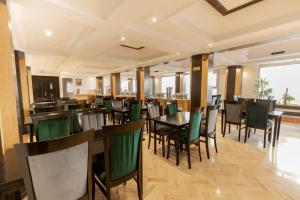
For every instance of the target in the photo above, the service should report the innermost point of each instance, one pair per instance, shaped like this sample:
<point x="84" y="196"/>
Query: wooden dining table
<point x="124" y="111"/>
<point x="274" y="115"/>
<point x="176" y="121"/>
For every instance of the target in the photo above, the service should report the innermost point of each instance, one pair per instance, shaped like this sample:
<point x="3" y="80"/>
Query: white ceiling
<point x="87" y="33"/>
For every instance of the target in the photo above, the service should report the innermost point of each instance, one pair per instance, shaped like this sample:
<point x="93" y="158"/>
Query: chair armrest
<point x="10" y="187"/>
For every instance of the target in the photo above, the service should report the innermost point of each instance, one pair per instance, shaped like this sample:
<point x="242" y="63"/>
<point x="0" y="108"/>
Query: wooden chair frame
<point x="43" y="147"/>
<point x="230" y="123"/>
<point x="50" y="115"/>
<point x="207" y="135"/>
<point x="119" y="130"/>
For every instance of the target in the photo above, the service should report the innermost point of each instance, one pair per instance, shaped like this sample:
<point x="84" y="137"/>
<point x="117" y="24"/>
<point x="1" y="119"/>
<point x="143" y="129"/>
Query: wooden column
<point x="115" y="84"/>
<point x="147" y="82"/>
<point x="179" y="82"/>
<point x="233" y="81"/>
<point x="29" y="83"/>
<point x="24" y="95"/>
<point x="8" y="109"/>
<point x="140" y="84"/>
<point x="199" y="74"/>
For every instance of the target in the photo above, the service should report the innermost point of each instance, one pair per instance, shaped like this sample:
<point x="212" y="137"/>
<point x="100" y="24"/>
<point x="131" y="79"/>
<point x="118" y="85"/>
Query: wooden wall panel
<point x="179" y="82"/>
<point x="140" y="84"/>
<point x="233" y="86"/>
<point x="29" y="83"/>
<point x="8" y="110"/>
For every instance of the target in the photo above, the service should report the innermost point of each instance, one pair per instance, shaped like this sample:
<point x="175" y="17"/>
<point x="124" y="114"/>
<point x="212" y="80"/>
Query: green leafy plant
<point x="286" y="98"/>
<point x="262" y="88"/>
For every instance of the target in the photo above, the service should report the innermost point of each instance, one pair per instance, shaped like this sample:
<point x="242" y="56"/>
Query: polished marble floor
<point x="238" y="171"/>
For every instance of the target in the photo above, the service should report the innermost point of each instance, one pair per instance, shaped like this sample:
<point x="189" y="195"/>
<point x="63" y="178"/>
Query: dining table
<point x="177" y="122"/>
<point x="124" y="111"/>
<point x="274" y="115"/>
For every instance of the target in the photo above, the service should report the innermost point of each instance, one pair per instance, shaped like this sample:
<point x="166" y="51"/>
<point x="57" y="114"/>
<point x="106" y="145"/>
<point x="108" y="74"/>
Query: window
<point x="106" y="85"/>
<point x="168" y="81"/>
<point x="124" y="85"/>
<point x="281" y="78"/>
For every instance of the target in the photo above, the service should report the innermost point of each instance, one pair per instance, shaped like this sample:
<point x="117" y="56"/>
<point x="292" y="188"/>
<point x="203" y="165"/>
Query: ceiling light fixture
<point x="210" y="44"/>
<point x="226" y="51"/>
<point x="123" y="38"/>
<point x="154" y="19"/>
<point x="9" y="25"/>
<point x="48" y="33"/>
<point x="177" y="53"/>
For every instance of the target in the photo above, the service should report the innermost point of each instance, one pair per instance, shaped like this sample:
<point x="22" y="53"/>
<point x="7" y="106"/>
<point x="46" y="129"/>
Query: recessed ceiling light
<point x="177" y="53"/>
<point x="154" y="19"/>
<point x="9" y="25"/>
<point x="48" y="33"/>
<point x="226" y="51"/>
<point x="123" y="38"/>
<point x="210" y="44"/>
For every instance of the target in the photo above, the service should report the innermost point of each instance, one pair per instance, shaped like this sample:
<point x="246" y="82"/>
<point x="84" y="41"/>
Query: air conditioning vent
<point x="277" y="52"/>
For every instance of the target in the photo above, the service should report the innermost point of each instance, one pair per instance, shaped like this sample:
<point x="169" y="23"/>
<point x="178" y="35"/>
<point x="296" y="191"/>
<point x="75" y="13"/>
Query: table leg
<point x="222" y="122"/>
<point x="123" y="118"/>
<point x="31" y="132"/>
<point x="275" y="131"/>
<point x="177" y="147"/>
<point x="278" y="129"/>
<point x="154" y="137"/>
<point x="113" y="117"/>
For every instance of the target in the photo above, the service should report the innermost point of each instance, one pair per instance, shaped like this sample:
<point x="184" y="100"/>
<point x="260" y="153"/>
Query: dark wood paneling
<point x="118" y="83"/>
<point x="42" y="87"/>
<point x="177" y="82"/>
<point x="139" y="78"/>
<point x="231" y="75"/>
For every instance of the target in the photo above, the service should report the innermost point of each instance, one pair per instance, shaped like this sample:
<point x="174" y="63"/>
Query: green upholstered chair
<point x="209" y="131"/>
<point x="107" y="102"/>
<point x="171" y="108"/>
<point x="52" y="125"/>
<point x="74" y="117"/>
<point x="122" y="158"/>
<point x="257" y="118"/>
<point x="134" y="110"/>
<point x="58" y="169"/>
<point x="189" y="135"/>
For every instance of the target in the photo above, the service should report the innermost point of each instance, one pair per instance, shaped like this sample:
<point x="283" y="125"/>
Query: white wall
<point x="88" y="83"/>
<point x="249" y="77"/>
<point x="221" y="81"/>
<point x="157" y="84"/>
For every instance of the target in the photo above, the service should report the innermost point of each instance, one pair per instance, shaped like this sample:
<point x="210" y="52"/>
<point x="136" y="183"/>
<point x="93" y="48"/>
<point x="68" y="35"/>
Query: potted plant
<point x="262" y="88"/>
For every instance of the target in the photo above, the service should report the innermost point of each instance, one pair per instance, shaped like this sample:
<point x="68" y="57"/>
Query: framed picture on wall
<point x="78" y="82"/>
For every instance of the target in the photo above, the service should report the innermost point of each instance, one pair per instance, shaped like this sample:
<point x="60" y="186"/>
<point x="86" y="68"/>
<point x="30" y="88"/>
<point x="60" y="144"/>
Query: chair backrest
<point x="117" y="104"/>
<point x="171" y="107"/>
<point x="244" y="102"/>
<point x="107" y="102"/>
<point x="58" y="169"/>
<point x="122" y="151"/>
<point x="72" y="107"/>
<point x="99" y="100"/>
<point x="135" y="110"/>
<point x="216" y="99"/>
<point x="211" y="119"/>
<point x="195" y="125"/>
<point x="257" y="114"/>
<point x="233" y="112"/>
<point x="272" y="103"/>
<point x="153" y="110"/>
<point x="92" y="118"/>
<point x="52" y="125"/>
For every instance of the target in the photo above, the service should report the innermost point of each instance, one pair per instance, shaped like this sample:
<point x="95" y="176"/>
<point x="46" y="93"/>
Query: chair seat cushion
<point x="270" y="123"/>
<point x="99" y="167"/>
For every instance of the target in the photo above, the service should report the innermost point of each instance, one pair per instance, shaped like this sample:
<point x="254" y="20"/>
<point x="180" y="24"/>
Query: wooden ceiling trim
<point x="216" y="4"/>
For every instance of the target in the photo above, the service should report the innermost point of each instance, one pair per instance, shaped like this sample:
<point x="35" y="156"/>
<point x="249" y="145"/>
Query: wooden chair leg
<point x="265" y="135"/>
<point x="207" y="148"/>
<point x="246" y="130"/>
<point x="224" y="129"/>
<point x="229" y="128"/>
<point x="93" y="187"/>
<point x="215" y="140"/>
<point x="149" y="140"/>
<point x="199" y="151"/>
<point x="140" y="187"/>
<point x="189" y="155"/>
<point x="168" y="150"/>
<point x="108" y="197"/>
<point x="163" y="145"/>
<point x="240" y="132"/>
